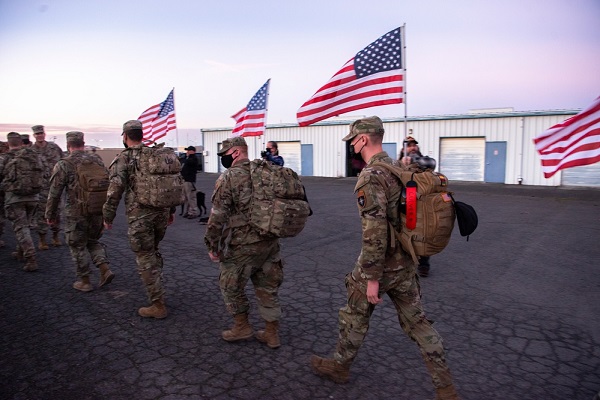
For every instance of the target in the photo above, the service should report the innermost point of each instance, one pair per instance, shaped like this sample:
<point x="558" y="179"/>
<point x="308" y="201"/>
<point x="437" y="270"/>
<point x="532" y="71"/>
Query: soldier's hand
<point x="51" y="222"/>
<point x="107" y="225"/>
<point x="214" y="257"/>
<point x="373" y="292"/>
<point x="171" y="219"/>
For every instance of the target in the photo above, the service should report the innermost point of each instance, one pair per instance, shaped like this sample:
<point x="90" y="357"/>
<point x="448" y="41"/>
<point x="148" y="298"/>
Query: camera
<point x="424" y="162"/>
<point x="263" y="154"/>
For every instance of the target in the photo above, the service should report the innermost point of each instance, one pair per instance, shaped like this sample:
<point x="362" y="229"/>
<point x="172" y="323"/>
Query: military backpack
<point x="157" y="181"/>
<point x="23" y="173"/>
<point x="91" y="186"/>
<point x="279" y="207"/>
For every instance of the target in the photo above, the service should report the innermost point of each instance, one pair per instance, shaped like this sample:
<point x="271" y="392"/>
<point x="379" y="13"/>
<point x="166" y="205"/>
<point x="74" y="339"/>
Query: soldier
<point x="50" y="154"/>
<point x="382" y="267"/>
<point x="3" y="149"/>
<point x="21" y="200"/>
<point x="188" y="171"/>
<point x="243" y="254"/>
<point x="82" y="232"/>
<point x="147" y="225"/>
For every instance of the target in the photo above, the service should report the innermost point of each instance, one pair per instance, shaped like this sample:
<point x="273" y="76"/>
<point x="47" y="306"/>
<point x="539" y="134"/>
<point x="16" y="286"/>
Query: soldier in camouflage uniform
<point x="82" y="233"/>
<point x="50" y="154"/>
<point x="19" y="209"/>
<point x="3" y="149"/>
<point x="147" y="225"/>
<point x="383" y="267"/>
<point x="243" y="254"/>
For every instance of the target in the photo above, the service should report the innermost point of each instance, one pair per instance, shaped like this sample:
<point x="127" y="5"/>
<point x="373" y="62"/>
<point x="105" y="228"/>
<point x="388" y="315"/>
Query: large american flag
<point x="373" y="77"/>
<point x="573" y="142"/>
<point x="158" y="120"/>
<point x="250" y="120"/>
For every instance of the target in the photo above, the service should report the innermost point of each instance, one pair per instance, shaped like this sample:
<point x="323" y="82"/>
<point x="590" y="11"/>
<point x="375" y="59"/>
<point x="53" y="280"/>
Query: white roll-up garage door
<point x="587" y="175"/>
<point x="462" y="159"/>
<point x="290" y="151"/>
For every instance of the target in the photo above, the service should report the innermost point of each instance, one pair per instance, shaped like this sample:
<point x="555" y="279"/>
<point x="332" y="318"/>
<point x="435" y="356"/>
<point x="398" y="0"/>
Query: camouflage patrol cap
<point x="131" y="125"/>
<point x="12" y="135"/>
<point x="364" y="125"/>
<point x="24" y="136"/>
<point x="38" y="128"/>
<point x="74" y="135"/>
<point x="231" y="142"/>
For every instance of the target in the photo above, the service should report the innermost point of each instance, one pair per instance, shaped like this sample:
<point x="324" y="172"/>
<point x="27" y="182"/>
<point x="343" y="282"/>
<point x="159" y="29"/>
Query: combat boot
<point x="331" y="369"/>
<point x="106" y="275"/>
<point x="446" y="393"/>
<point x="43" y="245"/>
<point x="30" y="265"/>
<point x="55" y="240"/>
<point x="240" y="330"/>
<point x="83" y="284"/>
<point x="18" y="254"/>
<point x="156" y="310"/>
<point x="270" y="335"/>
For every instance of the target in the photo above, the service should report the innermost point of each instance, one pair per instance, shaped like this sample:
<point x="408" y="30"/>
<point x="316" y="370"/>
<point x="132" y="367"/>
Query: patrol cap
<point x="24" y="136"/>
<point x="190" y="148"/>
<point x="74" y="135"/>
<point x="12" y="135"/>
<point x="410" y="139"/>
<point x="364" y="125"/>
<point x="37" y="129"/>
<point x="131" y="125"/>
<point x="231" y="142"/>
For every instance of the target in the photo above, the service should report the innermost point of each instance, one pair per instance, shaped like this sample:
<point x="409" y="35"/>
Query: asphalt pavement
<point x="518" y="306"/>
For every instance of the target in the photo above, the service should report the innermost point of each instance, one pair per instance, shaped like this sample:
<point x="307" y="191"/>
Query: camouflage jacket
<point x="232" y="196"/>
<point x="122" y="182"/>
<point x="64" y="177"/>
<point x="377" y="192"/>
<point x="50" y="154"/>
<point x="9" y="197"/>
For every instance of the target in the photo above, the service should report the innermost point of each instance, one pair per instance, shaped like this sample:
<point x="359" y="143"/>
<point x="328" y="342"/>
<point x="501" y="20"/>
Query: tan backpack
<point x="23" y="173"/>
<point x="430" y="233"/>
<point x="92" y="186"/>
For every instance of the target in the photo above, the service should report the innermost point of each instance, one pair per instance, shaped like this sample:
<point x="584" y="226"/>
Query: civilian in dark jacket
<point x="188" y="171"/>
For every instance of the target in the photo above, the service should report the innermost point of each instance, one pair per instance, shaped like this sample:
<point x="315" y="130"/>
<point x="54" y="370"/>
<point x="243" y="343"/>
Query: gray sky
<point x="91" y="65"/>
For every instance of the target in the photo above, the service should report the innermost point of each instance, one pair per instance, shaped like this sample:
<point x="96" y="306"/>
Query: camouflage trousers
<point x="82" y="235"/>
<point x="403" y="289"/>
<point x="190" y="205"/>
<point x="145" y="234"/>
<point x="40" y="219"/>
<point x="261" y="263"/>
<point x="21" y="216"/>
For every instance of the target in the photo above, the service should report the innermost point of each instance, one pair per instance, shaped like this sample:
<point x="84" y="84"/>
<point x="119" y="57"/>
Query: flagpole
<point x="176" y="128"/>
<point x="266" y="112"/>
<point x="403" y="37"/>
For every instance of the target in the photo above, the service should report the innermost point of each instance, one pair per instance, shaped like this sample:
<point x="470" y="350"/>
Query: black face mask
<point x="354" y="154"/>
<point x="125" y="145"/>
<point x="227" y="160"/>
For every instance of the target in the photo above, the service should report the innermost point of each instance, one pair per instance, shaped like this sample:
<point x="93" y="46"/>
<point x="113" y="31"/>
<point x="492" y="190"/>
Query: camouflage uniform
<point x="245" y="254"/>
<point x="3" y="150"/>
<point x="50" y="154"/>
<point x="20" y="210"/>
<point x="82" y="233"/>
<point x="147" y="225"/>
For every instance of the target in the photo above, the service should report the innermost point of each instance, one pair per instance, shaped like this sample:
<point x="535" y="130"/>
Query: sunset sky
<point x="91" y="65"/>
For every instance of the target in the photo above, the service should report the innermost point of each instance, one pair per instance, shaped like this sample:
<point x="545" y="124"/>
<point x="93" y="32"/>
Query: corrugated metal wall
<point x="329" y="152"/>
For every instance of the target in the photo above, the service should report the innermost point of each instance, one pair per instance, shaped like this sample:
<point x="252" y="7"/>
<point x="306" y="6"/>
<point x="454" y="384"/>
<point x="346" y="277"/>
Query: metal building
<point x="480" y="146"/>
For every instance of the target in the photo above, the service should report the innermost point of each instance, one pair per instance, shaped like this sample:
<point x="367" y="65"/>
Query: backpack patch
<point x="92" y="185"/>
<point x="426" y="221"/>
<point x="158" y="180"/>
<point x="24" y="173"/>
<point x="279" y="206"/>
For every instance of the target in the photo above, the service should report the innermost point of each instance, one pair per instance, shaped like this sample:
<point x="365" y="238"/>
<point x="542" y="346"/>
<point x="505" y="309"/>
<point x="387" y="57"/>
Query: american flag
<point x="573" y="142"/>
<point x="158" y="120"/>
<point x="250" y="120"/>
<point x="373" y="77"/>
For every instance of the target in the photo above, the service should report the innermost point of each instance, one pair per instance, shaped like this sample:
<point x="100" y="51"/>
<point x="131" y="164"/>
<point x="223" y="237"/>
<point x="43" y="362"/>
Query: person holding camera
<point x="414" y="156"/>
<point x="271" y="154"/>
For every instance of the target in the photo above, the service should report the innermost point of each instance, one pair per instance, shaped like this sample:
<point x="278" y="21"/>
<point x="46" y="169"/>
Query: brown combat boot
<point x="329" y="368"/>
<point x="156" y="310"/>
<point x="43" y="245"/>
<point x="83" y="284"/>
<point x="106" y="275"/>
<point x="240" y="330"/>
<point x="270" y="335"/>
<point x="55" y="240"/>
<point x="30" y="265"/>
<point x="446" y="393"/>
